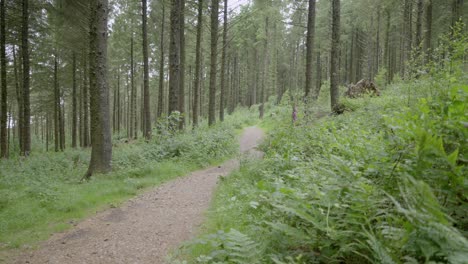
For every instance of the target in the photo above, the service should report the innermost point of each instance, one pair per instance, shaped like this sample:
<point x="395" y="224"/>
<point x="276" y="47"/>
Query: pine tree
<point x="3" y="84"/>
<point x="196" y="86"/>
<point x="146" y="94"/>
<point x="101" y="152"/>
<point x="213" y="62"/>
<point x="26" y="122"/>
<point x="310" y="50"/>
<point x="335" y="45"/>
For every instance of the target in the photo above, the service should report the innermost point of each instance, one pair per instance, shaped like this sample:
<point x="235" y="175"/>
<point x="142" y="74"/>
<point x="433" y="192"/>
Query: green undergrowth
<point x="43" y="193"/>
<point x="385" y="182"/>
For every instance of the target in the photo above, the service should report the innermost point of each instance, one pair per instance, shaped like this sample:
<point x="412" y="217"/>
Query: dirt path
<point x="145" y="228"/>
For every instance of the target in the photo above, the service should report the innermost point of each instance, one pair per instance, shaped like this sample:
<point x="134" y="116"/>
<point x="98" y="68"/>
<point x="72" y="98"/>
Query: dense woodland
<point x="150" y="78"/>
<point x="200" y="59"/>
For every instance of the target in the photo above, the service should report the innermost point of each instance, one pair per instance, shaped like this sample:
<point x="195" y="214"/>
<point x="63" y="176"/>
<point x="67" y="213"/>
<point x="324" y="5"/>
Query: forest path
<point x="145" y="228"/>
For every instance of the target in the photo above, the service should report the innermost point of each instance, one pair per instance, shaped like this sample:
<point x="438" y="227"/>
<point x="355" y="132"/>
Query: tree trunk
<point x="428" y="33"/>
<point x="62" y="123"/>
<point x="264" y="70"/>
<point x="80" y="112"/>
<point x="146" y="94"/>
<point x="129" y="108"/>
<point x="74" y="103"/>
<point x="56" y="107"/>
<point x="377" y="46"/>
<point x="387" y="48"/>
<point x="214" y="59"/>
<point x="101" y="152"/>
<point x="319" y="74"/>
<point x="335" y="45"/>
<point x="86" y="98"/>
<point x="196" y="86"/>
<point x="407" y="35"/>
<point x="47" y="132"/>
<point x="420" y="9"/>
<point x="161" y="66"/>
<point x="222" y="100"/>
<point x="182" y="65"/>
<point x="26" y="76"/>
<point x="114" y="110"/>
<point x="457" y="11"/>
<point x="174" y="61"/>
<point x="310" y="50"/>
<point x="19" y="97"/>
<point x="3" y="82"/>
<point x="133" y="99"/>
<point x="119" y="109"/>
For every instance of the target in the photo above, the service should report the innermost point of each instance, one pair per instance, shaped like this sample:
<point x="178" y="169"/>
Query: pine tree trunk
<point x="3" y="83"/>
<point x="114" y="111"/>
<point x="213" y="63"/>
<point x="129" y="108"/>
<point x="174" y="61"/>
<point x="428" y="33"/>
<point x="56" y="107"/>
<point x="146" y="96"/>
<point x="86" y="98"/>
<point x="101" y="152"/>
<point x="420" y="9"/>
<point x="407" y="36"/>
<point x="196" y="95"/>
<point x="119" y="109"/>
<point x="133" y="99"/>
<point x="387" y="48"/>
<point x="182" y="65"/>
<point x="80" y="110"/>
<point x="142" y="110"/>
<point x="161" y="66"/>
<point x="47" y="132"/>
<point x="377" y="46"/>
<point x="222" y="100"/>
<point x="310" y="50"/>
<point x="62" y="125"/>
<point x="74" y="103"/>
<point x="264" y="70"/>
<point x="335" y="45"/>
<point x="26" y="135"/>
<point x="319" y="74"/>
<point x="19" y="96"/>
<point x="457" y="11"/>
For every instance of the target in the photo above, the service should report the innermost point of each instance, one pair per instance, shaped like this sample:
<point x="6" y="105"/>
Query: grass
<point x="43" y="194"/>
<point x="378" y="184"/>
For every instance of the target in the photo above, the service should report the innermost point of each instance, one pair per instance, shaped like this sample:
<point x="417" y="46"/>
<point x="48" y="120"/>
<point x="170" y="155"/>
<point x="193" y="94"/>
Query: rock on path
<point x="145" y="228"/>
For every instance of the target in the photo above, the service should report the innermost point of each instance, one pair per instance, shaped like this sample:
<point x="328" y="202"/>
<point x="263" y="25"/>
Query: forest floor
<point x="145" y="228"/>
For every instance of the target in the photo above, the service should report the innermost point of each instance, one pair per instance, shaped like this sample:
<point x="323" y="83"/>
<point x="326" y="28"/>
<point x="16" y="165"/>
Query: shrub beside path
<point x="145" y="228"/>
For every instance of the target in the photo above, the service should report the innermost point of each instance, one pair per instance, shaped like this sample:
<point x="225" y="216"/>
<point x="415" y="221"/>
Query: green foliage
<point x="42" y="193"/>
<point x="385" y="183"/>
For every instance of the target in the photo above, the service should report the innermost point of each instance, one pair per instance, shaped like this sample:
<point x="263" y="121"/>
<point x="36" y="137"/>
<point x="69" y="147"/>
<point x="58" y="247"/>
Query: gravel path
<point x="145" y="228"/>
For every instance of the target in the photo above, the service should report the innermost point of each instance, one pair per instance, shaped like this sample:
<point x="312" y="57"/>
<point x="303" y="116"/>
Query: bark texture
<point x="26" y="135"/>
<point x="161" y="65"/>
<point x="3" y="83"/>
<point x="223" y="65"/>
<point x="213" y="61"/>
<point x="174" y="57"/>
<point x="335" y="45"/>
<point x="428" y="25"/>
<point x="146" y="94"/>
<point x="182" y="64"/>
<point x="74" y="103"/>
<point x="310" y="49"/>
<point x="101" y="152"/>
<point x="196" y="86"/>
